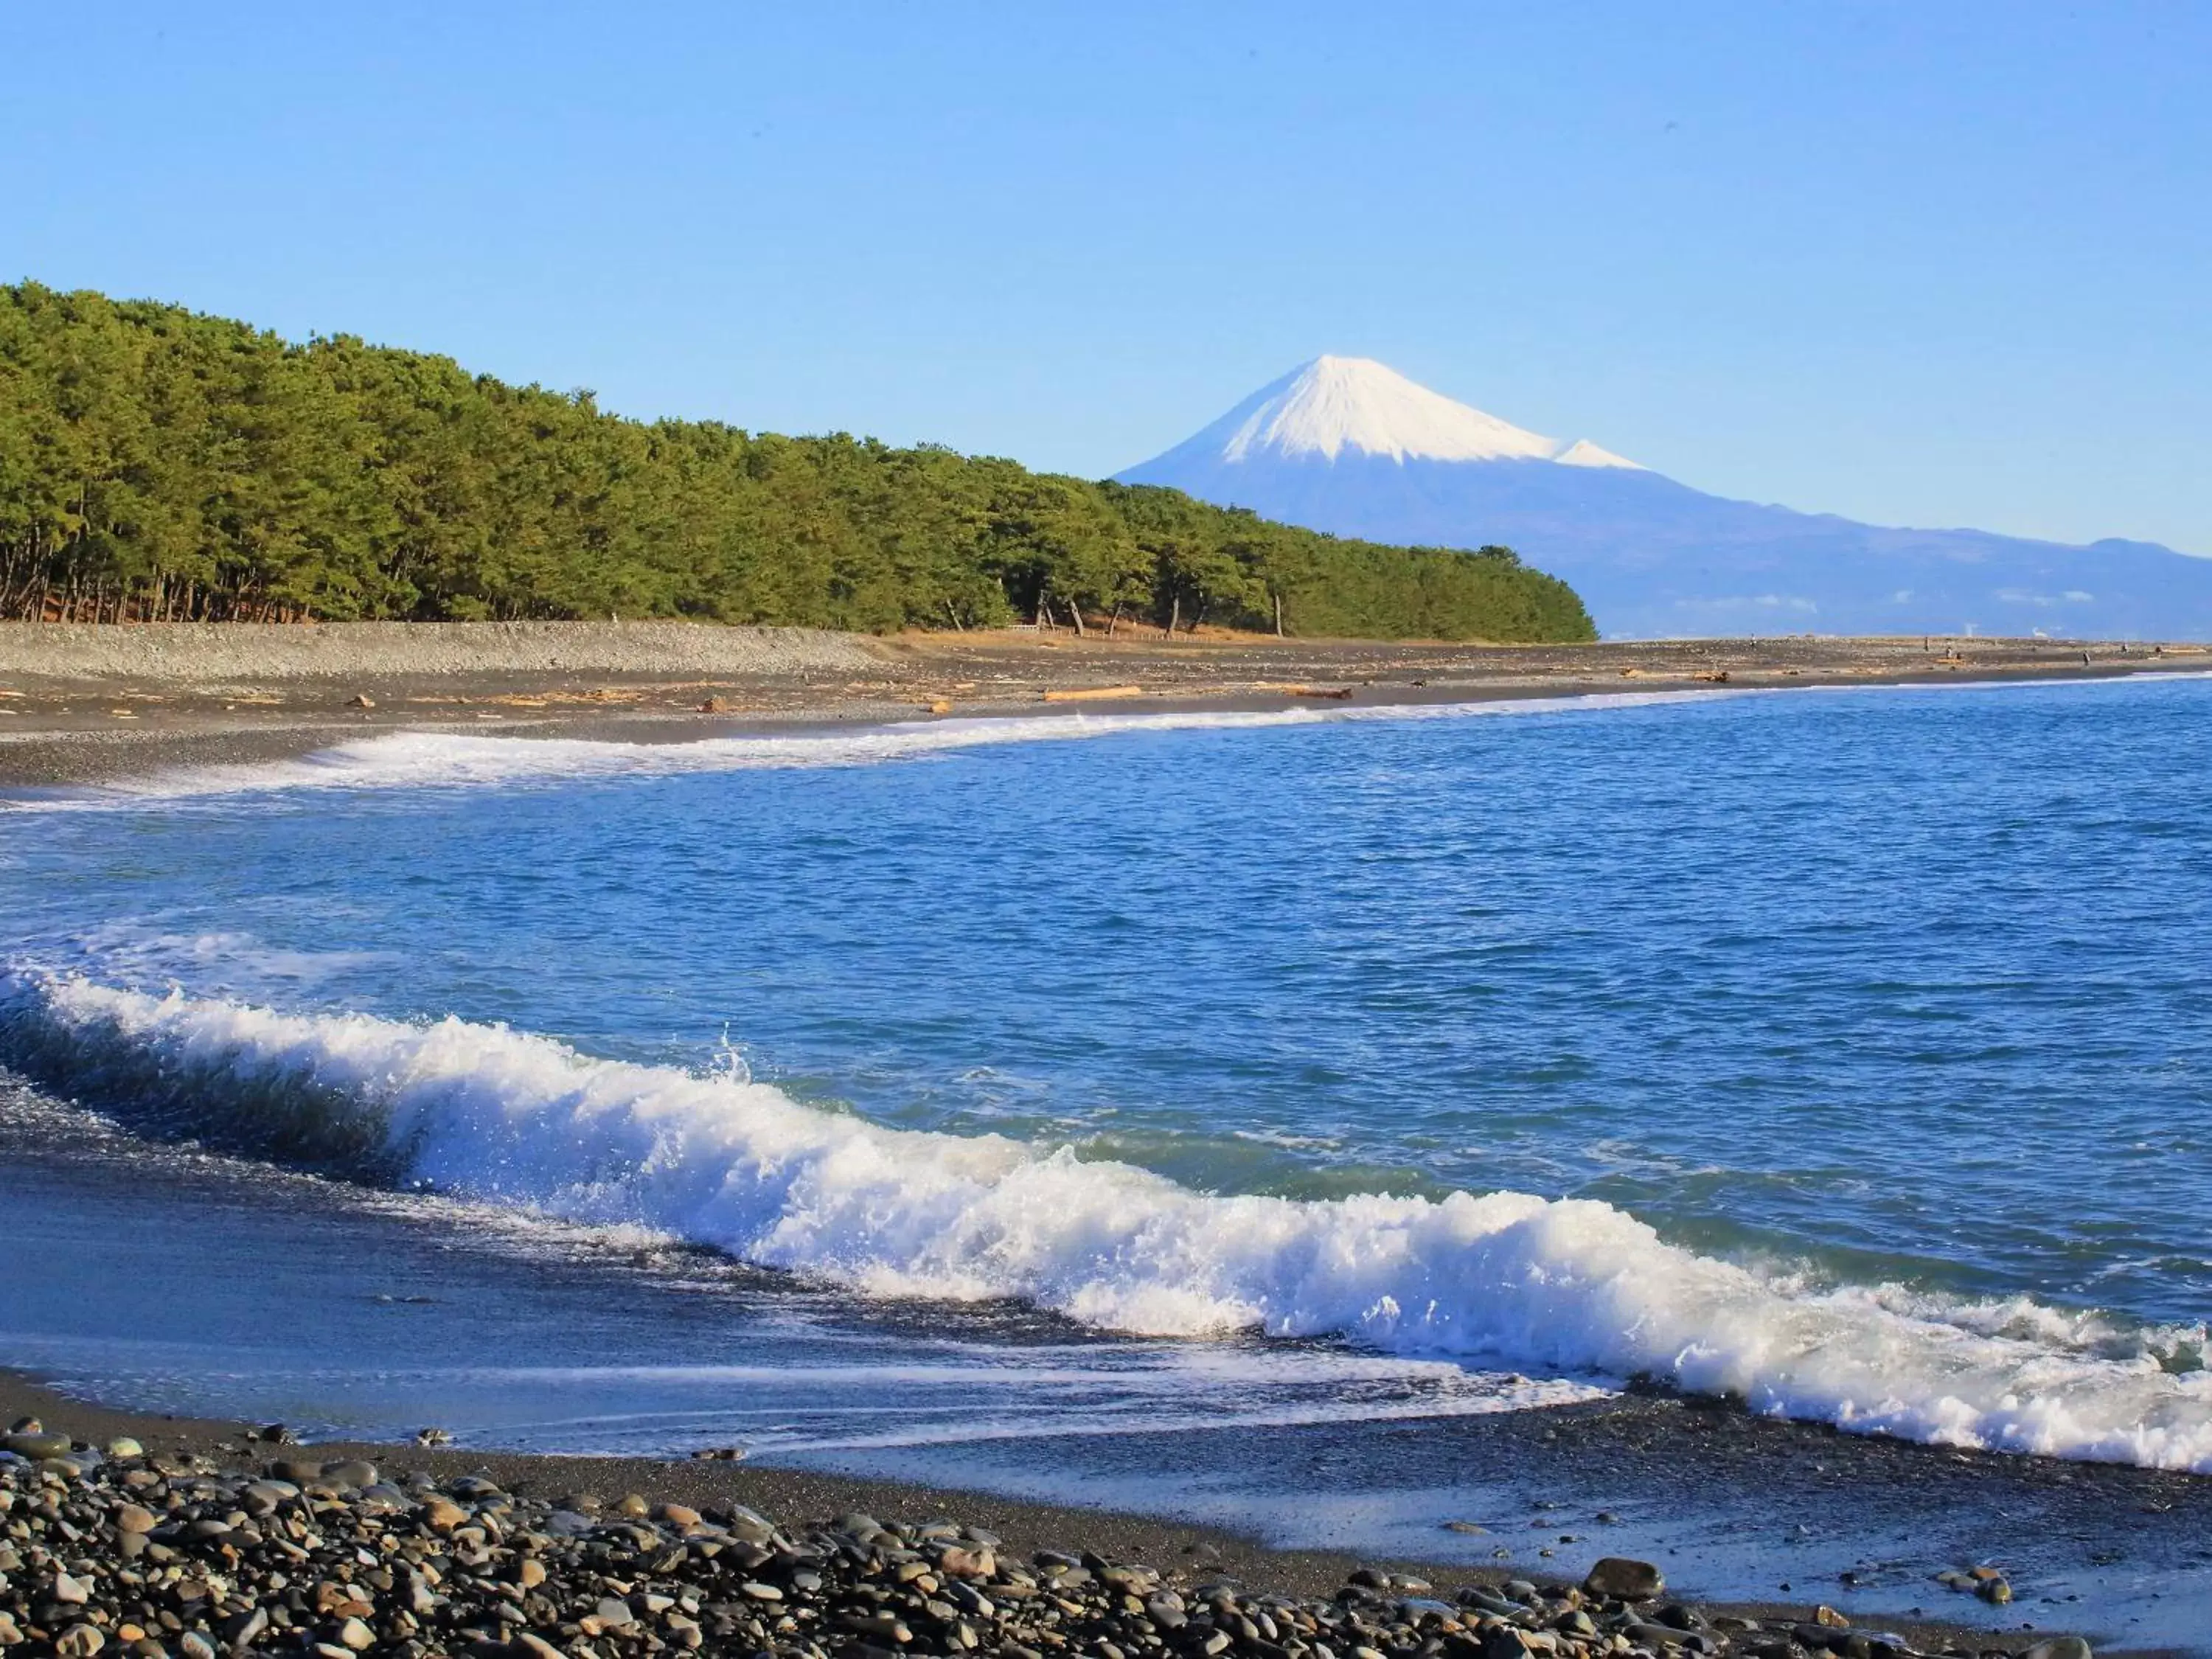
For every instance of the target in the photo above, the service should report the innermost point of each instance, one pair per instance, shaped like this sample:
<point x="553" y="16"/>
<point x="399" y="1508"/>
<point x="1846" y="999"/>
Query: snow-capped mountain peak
<point x="1349" y="447"/>
<point x="1332" y="404"/>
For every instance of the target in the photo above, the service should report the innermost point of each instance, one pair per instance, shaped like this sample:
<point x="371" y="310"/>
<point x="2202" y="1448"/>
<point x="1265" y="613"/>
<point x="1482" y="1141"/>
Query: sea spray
<point x="1512" y="1279"/>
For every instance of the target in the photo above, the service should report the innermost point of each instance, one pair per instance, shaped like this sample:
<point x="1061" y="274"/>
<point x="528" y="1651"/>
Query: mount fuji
<point x="1350" y="446"/>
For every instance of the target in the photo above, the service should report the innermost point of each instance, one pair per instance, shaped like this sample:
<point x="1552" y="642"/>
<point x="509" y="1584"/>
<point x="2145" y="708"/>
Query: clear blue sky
<point x="1946" y="264"/>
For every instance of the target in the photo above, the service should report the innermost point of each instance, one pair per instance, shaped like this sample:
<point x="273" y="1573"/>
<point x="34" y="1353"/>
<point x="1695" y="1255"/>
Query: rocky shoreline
<point x="128" y="1548"/>
<point x="194" y="654"/>
<point x="64" y="1509"/>
<point x="81" y="704"/>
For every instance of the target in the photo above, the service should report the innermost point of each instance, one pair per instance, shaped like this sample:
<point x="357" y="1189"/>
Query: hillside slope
<point x="159" y="464"/>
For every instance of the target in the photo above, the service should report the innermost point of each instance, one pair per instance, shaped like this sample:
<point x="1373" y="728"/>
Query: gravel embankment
<point x="155" y="1554"/>
<point x="187" y="654"/>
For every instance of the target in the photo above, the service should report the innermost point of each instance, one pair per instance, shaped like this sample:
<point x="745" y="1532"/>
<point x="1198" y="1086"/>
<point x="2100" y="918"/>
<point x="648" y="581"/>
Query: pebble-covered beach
<point x="85" y="703"/>
<point x="118" y="1548"/>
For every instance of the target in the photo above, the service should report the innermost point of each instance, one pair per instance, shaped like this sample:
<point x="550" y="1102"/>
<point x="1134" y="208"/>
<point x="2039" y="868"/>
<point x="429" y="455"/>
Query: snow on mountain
<point x="1332" y="404"/>
<point x="1348" y="446"/>
<point x="1583" y="453"/>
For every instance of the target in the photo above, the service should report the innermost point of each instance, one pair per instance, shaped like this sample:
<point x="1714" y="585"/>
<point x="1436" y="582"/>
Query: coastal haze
<point x="1349" y="445"/>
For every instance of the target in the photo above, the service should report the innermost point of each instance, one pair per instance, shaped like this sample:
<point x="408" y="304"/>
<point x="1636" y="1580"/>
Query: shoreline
<point x="77" y="711"/>
<point x="1718" y="1487"/>
<point x="1740" y="1510"/>
<point x="1186" y="1554"/>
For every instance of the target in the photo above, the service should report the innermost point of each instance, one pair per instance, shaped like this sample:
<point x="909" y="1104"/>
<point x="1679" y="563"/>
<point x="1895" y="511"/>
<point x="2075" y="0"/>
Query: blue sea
<point x="1846" y="1054"/>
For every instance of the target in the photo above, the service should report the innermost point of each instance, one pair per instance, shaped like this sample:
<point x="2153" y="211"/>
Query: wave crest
<point x="1559" y="1285"/>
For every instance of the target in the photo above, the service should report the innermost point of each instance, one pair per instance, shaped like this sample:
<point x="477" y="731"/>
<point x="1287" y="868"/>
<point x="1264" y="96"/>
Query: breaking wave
<point x="410" y="759"/>
<point x="1567" y="1286"/>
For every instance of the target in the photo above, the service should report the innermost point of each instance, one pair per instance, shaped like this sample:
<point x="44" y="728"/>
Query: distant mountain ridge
<point x="1349" y="445"/>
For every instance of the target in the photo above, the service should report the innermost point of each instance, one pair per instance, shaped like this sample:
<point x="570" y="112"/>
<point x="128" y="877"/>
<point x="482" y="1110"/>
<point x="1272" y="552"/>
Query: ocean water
<point x="1847" y="1054"/>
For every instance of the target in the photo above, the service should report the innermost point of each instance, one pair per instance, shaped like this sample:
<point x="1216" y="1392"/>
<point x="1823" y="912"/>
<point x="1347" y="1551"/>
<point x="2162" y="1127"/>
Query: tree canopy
<point x="158" y="463"/>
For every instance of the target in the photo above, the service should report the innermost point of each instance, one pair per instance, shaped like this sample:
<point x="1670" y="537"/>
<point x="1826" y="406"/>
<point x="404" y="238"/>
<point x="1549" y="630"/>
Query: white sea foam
<point x="432" y="759"/>
<point x="885" y="1391"/>
<point x="1557" y="1288"/>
